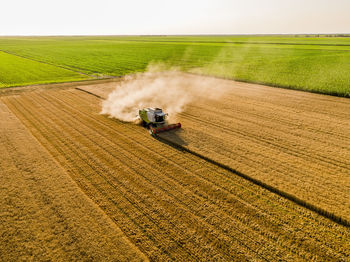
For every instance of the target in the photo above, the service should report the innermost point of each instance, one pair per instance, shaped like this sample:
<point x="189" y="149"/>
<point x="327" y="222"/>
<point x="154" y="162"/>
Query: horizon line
<point x="164" y="35"/>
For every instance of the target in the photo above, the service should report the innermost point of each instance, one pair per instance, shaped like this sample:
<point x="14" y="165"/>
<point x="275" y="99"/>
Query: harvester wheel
<point x="143" y="123"/>
<point x="151" y="132"/>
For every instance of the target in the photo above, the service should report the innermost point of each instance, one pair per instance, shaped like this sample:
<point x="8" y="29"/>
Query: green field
<point x="16" y="70"/>
<point x="318" y="64"/>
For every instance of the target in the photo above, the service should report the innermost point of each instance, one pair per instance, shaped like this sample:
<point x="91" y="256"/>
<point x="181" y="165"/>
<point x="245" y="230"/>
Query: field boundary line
<point x="337" y="219"/>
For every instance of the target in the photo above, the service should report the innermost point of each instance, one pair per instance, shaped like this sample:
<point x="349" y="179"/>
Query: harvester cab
<point x="155" y="120"/>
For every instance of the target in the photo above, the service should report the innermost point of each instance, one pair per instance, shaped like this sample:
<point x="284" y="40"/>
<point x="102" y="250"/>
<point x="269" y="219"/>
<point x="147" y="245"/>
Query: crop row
<point x="20" y="71"/>
<point x="44" y="214"/>
<point x="170" y="203"/>
<point x="299" y="153"/>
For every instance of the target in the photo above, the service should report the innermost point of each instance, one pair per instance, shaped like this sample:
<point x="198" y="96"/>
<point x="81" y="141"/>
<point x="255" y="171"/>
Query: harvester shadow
<point x="174" y="136"/>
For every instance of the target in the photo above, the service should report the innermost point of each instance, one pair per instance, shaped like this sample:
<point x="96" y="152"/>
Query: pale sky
<point x="137" y="17"/>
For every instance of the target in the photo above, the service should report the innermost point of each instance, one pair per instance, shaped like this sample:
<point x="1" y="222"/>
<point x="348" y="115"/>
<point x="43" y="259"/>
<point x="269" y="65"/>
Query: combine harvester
<point x="155" y="120"/>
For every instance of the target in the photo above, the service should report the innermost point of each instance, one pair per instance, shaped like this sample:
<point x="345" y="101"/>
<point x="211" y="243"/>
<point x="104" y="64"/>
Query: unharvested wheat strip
<point x="292" y="106"/>
<point x="293" y="158"/>
<point x="345" y="170"/>
<point x="269" y="125"/>
<point x="257" y="104"/>
<point x="291" y="136"/>
<point x="240" y="93"/>
<point x="336" y="134"/>
<point x="307" y="101"/>
<point x="303" y="142"/>
<point x="284" y="138"/>
<point x="59" y="213"/>
<point x="298" y="155"/>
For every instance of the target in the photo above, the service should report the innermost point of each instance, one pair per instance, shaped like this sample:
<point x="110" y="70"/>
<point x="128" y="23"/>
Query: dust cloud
<point x="170" y="90"/>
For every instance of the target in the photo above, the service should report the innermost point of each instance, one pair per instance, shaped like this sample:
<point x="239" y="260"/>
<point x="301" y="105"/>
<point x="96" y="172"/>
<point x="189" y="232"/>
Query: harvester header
<point x="155" y="120"/>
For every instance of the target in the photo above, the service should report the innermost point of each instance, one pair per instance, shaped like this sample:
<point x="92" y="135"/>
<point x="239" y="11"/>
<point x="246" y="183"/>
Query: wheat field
<point x="97" y="187"/>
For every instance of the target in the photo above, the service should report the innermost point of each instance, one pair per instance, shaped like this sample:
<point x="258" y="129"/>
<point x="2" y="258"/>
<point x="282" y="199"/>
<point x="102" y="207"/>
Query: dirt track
<point x="171" y="204"/>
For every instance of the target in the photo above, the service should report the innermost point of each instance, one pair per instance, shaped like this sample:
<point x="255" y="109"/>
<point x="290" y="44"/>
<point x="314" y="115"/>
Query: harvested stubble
<point x="43" y="213"/>
<point x="171" y="204"/>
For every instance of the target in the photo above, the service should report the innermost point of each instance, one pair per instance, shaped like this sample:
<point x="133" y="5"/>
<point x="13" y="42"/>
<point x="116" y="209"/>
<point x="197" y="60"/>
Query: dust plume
<point x="170" y="90"/>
